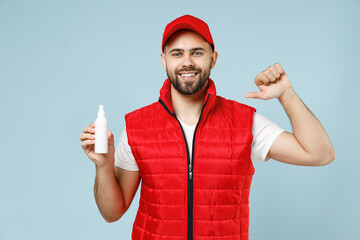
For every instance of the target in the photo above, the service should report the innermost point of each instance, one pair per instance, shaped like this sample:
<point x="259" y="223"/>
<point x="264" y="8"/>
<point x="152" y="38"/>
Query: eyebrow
<point x="182" y="50"/>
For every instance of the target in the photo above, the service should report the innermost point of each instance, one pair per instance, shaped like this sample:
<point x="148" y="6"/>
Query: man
<point x="193" y="149"/>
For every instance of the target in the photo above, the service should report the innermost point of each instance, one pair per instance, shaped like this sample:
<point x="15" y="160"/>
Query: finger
<point x="110" y="138"/>
<point x="269" y="75"/>
<point x="86" y="136"/>
<point x="87" y="143"/>
<point x="92" y="125"/>
<point x="89" y="129"/>
<point x="274" y="71"/>
<point x="265" y="78"/>
<point x="253" y="95"/>
<point x="261" y="79"/>
<point x="279" y="67"/>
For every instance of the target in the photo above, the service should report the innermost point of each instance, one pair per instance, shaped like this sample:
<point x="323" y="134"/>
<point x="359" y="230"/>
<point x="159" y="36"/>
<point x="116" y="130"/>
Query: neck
<point x="188" y="107"/>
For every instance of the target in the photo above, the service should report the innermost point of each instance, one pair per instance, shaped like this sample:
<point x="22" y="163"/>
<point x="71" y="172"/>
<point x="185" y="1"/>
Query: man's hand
<point x="272" y="83"/>
<point x="88" y="144"/>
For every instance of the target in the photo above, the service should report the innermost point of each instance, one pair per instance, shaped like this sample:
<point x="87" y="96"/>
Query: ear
<point x="162" y="56"/>
<point x="214" y="56"/>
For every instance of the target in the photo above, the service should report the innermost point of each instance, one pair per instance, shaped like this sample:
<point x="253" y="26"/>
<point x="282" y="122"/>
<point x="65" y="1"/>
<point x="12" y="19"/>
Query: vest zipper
<point x="190" y="168"/>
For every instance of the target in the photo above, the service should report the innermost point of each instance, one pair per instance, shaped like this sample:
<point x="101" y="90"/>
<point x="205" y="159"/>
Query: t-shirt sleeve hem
<point x="126" y="167"/>
<point x="269" y="143"/>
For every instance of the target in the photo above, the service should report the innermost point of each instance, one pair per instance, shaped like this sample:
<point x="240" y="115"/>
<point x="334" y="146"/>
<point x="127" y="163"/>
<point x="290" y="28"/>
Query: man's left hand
<point x="272" y="83"/>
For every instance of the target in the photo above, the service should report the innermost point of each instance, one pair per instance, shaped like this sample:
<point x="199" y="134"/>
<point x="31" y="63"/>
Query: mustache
<point x="187" y="69"/>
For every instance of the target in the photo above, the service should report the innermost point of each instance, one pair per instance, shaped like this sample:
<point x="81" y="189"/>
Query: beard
<point x="189" y="87"/>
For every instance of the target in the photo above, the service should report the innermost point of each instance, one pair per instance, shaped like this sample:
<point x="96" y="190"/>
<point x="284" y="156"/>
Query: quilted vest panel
<point x="208" y="200"/>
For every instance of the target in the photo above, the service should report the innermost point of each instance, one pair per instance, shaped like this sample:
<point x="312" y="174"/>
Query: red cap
<point x="191" y="23"/>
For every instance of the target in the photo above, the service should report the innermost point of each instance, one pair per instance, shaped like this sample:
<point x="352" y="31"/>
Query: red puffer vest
<point x="205" y="200"/>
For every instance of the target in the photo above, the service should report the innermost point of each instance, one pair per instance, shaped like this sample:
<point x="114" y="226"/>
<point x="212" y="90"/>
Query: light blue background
<point x="60" y="59"/>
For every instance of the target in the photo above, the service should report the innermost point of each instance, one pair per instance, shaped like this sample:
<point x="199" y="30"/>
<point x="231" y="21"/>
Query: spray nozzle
<point x="101" y="112"/>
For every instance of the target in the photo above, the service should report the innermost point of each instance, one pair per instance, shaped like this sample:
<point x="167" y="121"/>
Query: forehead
<point x="186" y="39"/>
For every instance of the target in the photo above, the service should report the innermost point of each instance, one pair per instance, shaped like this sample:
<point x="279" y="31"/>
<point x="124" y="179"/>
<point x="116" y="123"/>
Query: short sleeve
<point x="264" y="134"/>
<point x="123" y="155"/>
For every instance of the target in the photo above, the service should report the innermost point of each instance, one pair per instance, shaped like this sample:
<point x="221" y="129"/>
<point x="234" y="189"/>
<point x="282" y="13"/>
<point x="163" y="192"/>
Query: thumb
<point x="253" y="95"/>
<point x="110" y="138"/>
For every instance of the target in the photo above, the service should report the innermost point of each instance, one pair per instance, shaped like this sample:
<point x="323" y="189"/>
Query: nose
<point x="188" y="61"/>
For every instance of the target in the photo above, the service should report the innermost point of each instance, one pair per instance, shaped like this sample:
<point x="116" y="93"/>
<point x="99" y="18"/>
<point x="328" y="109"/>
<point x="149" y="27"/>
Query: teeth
<point x="188" y="75"/>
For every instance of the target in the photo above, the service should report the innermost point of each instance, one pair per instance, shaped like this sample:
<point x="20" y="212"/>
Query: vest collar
<point x="209" y="101"/>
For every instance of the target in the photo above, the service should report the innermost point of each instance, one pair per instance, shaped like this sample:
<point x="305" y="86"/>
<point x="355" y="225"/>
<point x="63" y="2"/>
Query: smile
<point x="188" y="76"/>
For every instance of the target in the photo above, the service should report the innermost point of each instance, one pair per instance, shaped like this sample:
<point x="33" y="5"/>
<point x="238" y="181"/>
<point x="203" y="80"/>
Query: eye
<point x="197" y="53"/>
<point x="176" y="54"/>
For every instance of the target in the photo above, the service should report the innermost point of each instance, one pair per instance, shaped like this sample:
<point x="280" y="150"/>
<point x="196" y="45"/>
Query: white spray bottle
<point x="101" y="129"/>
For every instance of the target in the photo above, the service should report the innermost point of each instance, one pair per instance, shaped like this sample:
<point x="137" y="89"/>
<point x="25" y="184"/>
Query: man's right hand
<point x="88" y="144"/>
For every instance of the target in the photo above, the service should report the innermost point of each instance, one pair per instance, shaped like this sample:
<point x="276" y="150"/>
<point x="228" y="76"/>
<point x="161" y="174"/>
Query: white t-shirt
<point x="264" y="134"/>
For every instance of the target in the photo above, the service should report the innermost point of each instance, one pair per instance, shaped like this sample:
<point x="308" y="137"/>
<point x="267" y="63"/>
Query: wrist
<point x="105" y="167"/>
<point x="288" y="93"/>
